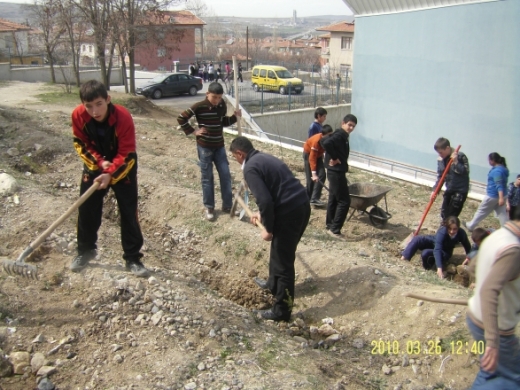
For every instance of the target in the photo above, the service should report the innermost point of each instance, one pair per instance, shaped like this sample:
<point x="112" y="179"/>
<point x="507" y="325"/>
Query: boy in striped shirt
<point x="211" y="119"/>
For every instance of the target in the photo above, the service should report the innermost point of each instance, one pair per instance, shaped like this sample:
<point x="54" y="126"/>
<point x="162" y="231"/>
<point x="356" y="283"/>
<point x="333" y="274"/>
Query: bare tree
<point x="45" y="13"/>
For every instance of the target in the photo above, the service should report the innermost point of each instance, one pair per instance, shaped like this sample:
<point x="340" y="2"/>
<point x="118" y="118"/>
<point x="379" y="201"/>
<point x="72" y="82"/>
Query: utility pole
<point x="247" y="48"/>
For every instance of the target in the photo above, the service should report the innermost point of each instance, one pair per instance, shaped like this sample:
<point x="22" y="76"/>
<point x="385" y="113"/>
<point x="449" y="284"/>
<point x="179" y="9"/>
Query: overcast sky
<point x="268" y="8"/>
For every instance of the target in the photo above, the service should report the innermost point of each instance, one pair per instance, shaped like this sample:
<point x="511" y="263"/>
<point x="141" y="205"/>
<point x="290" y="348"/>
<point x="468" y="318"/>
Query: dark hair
<point x="326" y="129"/>
<point x="497" y="159"/>
<point x="216" y="88"/>
<point x="518" y="176"/>
<point x="92" y="90"/>
<point x="319" y="111"/>
<point x="451" y="220"/>
<point x="241" y="143"/>
<point x="479" y="234"/>
<point x="441" y="143"/>
<point x="350" y="118"/>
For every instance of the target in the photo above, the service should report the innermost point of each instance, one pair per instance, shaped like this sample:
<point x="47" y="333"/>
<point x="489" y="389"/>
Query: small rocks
<point x="46" y="384"/>
<point x="6" y="368"/>
<point x="38" y="339"/>
<point x="405" y="361"/>
<point x="386" y="370"/>
<point x="333" y="338"/>
<point x="37" y="361"/>
<point x="420" y="303"/>
<point x="358" y="343"/>
<point x="8" y="184"/>
<point x="118" y="359"/>
<point x="46" y="371"/>
<point x="201" y="366"/>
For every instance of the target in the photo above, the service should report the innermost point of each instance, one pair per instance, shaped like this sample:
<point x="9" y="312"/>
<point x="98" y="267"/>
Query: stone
<point x="420" y="303"/>
<point x="201" y="366"/>
<point x="333" y="338"/>
<point x="386" y="370"/>
<point x="39" y="339"/>
<point x="20" y="360"/>
<point x="358" y="343"/>
<point x="8" y="184"/>
<point x="37" y="361"/>
<point x="46" y="371"/>
<point x="118" y="359"/>
<point x="6" y="368"/>
<point x="156" y="318"/>
<point x="415" y="369"/>
<point x="13" y="152"/>
<point x="405" y="361"/>
<point x="326" y="330"/>
<point x="190" y="386"/>
<point x="153" y="280"/>
<point x="46" y="384"/>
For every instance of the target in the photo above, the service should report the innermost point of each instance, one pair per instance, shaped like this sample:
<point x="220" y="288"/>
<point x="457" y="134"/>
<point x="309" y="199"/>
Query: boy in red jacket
<point x="313" y="165"/>
<point x="104" y="138"/>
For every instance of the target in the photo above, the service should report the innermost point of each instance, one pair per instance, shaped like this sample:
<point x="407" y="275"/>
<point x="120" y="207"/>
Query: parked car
<point x="275" y="78"/>
<point x="170" y="84"/>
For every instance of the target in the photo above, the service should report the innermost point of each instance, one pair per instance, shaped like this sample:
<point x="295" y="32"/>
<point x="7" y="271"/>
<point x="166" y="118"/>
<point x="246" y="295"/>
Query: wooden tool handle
<point x="437" y="190"/>
<point x="60" y="220"/>
<point x="463" y="302"/>
<point x="237" y="98"/>
<point x="249" y="212"/>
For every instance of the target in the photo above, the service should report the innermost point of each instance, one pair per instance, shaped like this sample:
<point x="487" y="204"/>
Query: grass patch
<point x="201" y="226"/>
<point x="60" y="96"/>
<point x="318" y="234"/>
<point x="461" y="335"/>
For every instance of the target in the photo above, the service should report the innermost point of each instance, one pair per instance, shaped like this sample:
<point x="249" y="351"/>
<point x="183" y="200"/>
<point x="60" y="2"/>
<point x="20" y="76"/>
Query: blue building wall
<point x="451" y="72"/>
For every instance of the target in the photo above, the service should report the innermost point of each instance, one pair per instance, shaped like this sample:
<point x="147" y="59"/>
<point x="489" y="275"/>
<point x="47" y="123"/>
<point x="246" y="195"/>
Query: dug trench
<point x="101" y="328"/>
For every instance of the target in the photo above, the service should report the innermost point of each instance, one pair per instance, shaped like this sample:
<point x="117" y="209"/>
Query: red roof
<point x="6" y="25"/>
<point x="338" y="27"/>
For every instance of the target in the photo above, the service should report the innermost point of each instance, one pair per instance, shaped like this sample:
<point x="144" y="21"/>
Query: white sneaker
<point x="210" y="214"/>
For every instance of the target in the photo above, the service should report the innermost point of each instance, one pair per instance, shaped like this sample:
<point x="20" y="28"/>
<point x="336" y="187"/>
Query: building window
<point x="161" y="52"/>
<point x="344" y="70"/>
<point x="346" y="43"/>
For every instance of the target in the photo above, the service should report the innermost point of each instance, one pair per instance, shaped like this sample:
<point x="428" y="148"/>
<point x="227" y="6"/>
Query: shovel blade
<point x="20" y="268"/>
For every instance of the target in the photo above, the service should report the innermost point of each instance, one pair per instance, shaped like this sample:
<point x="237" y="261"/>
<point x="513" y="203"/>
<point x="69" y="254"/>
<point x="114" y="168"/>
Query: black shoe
<point x="261" y="283"/>
<point x="82" y="260"/>
<point x="137" y="268"/>
<point x="270" y="315"/>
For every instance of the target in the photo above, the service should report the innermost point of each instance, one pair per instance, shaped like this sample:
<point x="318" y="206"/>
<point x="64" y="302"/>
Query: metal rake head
<point x="20" y="268"/>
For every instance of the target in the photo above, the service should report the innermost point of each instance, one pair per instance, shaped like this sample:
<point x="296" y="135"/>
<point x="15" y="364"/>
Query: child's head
<point x="478" y="235"/>
<point x="349" y="123"/>
<point x="452" y="225"/>
<point x="517" y="181"/>
<point x="215" y="92"/>
<point x="326" y="130"/>
<point x="95" y="99"/>
<point x="442" y="147"/>
<point x="496" y="159"/>
<point x="320" y="114"/>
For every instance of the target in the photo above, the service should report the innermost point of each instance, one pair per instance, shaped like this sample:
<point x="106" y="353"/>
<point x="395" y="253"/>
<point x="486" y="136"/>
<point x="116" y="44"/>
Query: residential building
<point x="337" y="55"/>
<point x="167" y="37"/>
<point x="426" y="70"/>
<point x="14" y="42"/>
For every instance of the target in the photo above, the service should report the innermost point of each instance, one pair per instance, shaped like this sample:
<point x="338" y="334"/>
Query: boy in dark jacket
<point x="284" y="211"/>
<point x="104" y="138"/>
<point x="457" y="178"/>
<point x="337" y="149"/>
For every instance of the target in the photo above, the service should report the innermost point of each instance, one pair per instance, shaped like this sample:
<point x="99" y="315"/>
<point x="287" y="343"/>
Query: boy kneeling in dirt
<point x="104" y="137"/>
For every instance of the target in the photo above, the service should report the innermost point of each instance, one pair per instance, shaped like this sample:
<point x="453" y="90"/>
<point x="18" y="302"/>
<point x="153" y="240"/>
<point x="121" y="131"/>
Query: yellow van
<point x="275" y="78"/>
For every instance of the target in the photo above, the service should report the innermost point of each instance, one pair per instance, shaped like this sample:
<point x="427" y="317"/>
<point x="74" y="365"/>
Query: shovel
<point x="20" y="267"/>
<point x="407" y="240"/>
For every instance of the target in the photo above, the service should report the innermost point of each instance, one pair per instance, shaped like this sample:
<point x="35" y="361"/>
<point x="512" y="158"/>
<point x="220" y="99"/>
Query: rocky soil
<point x="190" y="325"/>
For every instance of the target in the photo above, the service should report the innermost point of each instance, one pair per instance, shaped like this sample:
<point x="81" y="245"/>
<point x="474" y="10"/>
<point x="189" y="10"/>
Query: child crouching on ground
<point x="438" y="249"/>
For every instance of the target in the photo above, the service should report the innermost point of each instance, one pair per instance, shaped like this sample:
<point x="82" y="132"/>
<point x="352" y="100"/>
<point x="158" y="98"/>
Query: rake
<point x="19" y="266"/>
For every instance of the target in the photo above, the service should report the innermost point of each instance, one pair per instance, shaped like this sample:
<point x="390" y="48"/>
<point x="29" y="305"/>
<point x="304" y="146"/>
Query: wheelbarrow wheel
<point x="378" y="217"/>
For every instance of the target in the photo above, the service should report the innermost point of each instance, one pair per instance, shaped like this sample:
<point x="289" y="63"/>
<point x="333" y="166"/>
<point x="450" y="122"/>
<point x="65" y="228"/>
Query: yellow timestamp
<point x="430" y="347"/>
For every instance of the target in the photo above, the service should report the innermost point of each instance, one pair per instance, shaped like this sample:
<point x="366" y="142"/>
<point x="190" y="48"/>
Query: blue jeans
<point x="507" y="374"/>
<point x="208" y="157"/>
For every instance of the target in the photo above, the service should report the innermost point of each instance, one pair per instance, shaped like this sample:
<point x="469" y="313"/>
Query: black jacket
<point x="336" y="146"/>
<point x="457" y="178"/>
<point x="274" y="186"/>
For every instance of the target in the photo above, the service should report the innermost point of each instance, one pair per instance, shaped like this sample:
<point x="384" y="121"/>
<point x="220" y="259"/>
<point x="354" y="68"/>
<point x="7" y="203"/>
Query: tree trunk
<point x="51" y="64"/>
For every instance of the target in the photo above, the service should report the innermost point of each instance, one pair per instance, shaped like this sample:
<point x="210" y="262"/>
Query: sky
<point x="267" y="8"/>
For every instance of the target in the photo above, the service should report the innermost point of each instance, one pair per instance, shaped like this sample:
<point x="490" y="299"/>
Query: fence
<point x="314" y="95"/>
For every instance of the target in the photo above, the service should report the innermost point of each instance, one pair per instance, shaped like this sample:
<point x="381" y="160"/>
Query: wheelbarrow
<point x="364" y="195"/>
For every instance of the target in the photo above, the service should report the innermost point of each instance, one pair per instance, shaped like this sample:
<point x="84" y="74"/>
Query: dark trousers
<point x="512" y="210"/>
<point x="452" y="204"/>
<point x="339" y="201"/>
<point x="287" y="232"/>
<point x="314" y="189"/>
<point x="426" y="244"/>
<point x="90" y="214"/>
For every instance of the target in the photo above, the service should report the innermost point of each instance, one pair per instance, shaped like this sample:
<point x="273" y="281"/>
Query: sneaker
<point x="82" y="260"/>
<point x="317" y="203"/>
<point x="337" y="236"/>
<point x="138" y="269"/>
<point x="464" y="223"/>
<point x="210" y="214"/>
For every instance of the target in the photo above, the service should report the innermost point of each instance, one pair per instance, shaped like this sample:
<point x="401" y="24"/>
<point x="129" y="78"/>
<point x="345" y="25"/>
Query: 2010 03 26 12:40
<point x="430" y="347"/>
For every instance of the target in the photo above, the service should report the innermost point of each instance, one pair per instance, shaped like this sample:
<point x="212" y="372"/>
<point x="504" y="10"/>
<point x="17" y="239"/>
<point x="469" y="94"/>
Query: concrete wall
<point x="292" y="126"/>
<point x="339" y="56"/>
<point x="449" y="71"/>
<point x="43" y="74"/>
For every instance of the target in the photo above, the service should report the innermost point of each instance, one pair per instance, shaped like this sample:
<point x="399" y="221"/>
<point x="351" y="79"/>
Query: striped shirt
<point x="212" y="118"/>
